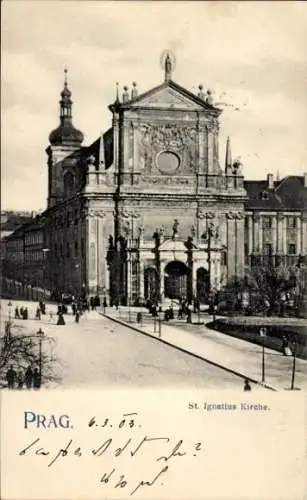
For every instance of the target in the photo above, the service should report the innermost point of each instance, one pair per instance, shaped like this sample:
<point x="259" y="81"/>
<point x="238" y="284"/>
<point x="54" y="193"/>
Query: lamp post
<point x="10" y="310"/>
<point x="41" y="335"/>
<point x="160" y="322"/>
<point x="263" y="335"/>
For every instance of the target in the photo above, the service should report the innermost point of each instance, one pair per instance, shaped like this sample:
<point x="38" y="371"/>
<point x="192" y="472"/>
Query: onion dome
<point x="66" y="133"/>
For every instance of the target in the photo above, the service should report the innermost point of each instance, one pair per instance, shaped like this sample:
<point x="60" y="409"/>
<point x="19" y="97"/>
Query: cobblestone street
<point x="97" y="352"/>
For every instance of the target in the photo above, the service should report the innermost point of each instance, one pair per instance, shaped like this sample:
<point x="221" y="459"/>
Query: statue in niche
<point x="175" y="228"/>
<point x="141" y="232"/>
<point x="127" y="229"/>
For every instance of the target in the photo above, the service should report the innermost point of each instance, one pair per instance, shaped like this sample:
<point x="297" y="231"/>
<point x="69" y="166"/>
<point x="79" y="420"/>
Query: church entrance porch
<point x="176" y="280"/>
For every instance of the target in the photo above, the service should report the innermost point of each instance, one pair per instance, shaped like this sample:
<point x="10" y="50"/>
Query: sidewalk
<point x="235" y="355"/>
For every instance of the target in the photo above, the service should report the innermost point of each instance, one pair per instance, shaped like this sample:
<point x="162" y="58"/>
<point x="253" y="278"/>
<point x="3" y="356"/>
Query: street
<point x="100" y="353"/>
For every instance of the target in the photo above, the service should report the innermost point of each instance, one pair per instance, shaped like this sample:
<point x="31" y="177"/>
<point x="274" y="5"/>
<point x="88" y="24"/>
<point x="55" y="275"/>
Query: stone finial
<point x="125" y="94"/>
<point x="209" y="98"/>
<point x="134" y="91"/>
<point x="201" y="93"/>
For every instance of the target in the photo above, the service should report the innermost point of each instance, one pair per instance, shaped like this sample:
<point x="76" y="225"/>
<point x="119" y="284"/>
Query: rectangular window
<point x="291" y="222"/>
<point x="267" y="222"/>
<point x="291" y="249"/>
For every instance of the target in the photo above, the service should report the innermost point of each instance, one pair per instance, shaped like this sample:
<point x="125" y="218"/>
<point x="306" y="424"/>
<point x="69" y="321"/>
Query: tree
<point x="22" y="351"/>
<point x="274" y="285"/>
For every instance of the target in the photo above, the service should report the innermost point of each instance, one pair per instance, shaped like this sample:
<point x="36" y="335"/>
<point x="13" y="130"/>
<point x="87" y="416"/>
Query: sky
<point x="252" y="55"/>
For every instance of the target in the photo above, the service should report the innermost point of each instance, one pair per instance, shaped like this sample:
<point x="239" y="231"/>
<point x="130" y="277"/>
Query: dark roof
<point x="287" y="194"/>
<point x="66" y="134"/>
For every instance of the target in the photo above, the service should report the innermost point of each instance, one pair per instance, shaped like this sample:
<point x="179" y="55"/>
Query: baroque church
<point x="147" y="211"/>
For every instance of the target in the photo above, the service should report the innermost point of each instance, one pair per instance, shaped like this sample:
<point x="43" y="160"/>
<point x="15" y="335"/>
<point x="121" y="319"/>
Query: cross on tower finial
<point x="65" y="77"/>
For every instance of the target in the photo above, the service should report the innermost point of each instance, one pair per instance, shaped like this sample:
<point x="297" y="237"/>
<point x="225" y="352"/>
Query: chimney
<point x="305" y="179"/>
<point x="270" y="181"/>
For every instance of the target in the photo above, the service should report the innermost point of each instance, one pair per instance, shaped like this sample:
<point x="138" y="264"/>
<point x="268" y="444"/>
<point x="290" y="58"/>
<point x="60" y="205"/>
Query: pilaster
<point x="298" y="236"/>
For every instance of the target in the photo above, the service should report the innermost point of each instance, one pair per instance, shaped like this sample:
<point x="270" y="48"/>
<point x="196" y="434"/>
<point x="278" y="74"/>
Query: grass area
<point x="247" y="328"/>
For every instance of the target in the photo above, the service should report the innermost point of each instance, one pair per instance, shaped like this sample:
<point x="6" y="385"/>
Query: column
<point x="141" y="271"/>
<point x="298" y="236"/>
<point x="162" y="282"/>
<point x="129" y="277"/>
<point x="256" y="233"/>
<point x="284" y="236"/>
<point x="279" y="234"/>
<point x="92" y="253"/>
<point x="304" y="235"/>
<point x="250" y="234"/>
<point x="231" y="245"/>
<point x="274" y="235"/>
<point x="260" y="234"/>
<point x="210" y="149"/>
<point x="239" y="235"/>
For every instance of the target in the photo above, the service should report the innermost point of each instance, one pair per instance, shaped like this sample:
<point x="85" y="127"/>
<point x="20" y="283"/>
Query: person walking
<point x="20" y="380"/>
<point x="61" y="320"/>
<point x="25" y="313"/>
<point x="38" y="313"/>
<point x="77" y="317"/>
<point x="11" y="377"/>
<point x="247" y="386"/>
<point x="21" y="312"/>
<point x="29" y="377"/>
<point x="36" y="379"/>
<point x="17" y="313"/>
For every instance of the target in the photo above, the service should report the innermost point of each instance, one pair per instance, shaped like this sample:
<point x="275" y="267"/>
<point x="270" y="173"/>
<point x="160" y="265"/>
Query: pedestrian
<point x="36" y="379"/>
<point x="105" y="304"/>
<point x="25" y="313"/>
<point x="247" y="386"/>
<point x="17" y="313"/>
<point x="38" y="313"/>
<point x="92" y="303"/>
<point x="51" y="315"/>
<point x="97" y="301"/>
<point x="61" y="320"/>
<point x="11" y="377"/>
<point x="77" y="317"/>
<point x="74" y="308"/>
<point x="21" y="312"/>
<point x="188" y="314"/>
<point x="285" y="346"/>
<point x="20" y="380"/>
<point x="29" y="377"/>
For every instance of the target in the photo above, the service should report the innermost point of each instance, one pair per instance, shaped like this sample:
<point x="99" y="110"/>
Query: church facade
<point x="146" y="211"/>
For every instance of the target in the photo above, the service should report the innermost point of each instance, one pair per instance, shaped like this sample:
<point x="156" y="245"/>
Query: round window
<point x="168" y="162"/>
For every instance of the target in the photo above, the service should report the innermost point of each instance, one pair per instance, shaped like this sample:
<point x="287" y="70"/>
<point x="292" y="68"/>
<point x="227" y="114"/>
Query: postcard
<point x="153" y="329"/>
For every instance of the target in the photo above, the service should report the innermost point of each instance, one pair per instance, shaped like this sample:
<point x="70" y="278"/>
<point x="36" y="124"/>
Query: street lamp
<point x="10" y="308"/>
<point x="263" y="335"/>
<point x="160" y="321"/>
<point x="41" y="335"/>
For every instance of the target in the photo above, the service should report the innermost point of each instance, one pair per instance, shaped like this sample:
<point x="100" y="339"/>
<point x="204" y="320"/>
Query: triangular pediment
<point x="167" y="96"/>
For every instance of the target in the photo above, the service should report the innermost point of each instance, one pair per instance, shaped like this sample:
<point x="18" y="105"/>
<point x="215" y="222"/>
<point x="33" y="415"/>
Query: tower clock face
<point x="167" y="162"/>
